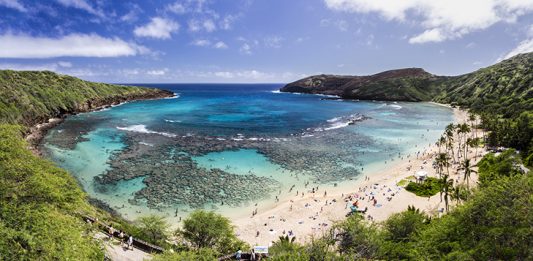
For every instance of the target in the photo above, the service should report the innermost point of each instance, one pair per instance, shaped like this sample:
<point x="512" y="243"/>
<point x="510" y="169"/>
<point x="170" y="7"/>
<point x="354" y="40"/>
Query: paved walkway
<point x="118" y="253"/>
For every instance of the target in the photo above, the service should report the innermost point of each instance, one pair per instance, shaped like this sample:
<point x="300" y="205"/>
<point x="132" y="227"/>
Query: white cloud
<point x="14" y="4"/>
<point x="157" y="72"/>
<point x="201" y="42"/>
<point x="194" y="26"/>
<point x="273" y="41"/>
<point x="244" y="75"/>
<point x="441" y="19"/>
<point x="525" y="46"/>
<point x="227" y="22"/>
<point x="29" y="67"/>
<point x="74" y="45"/>
<point x="220" y="45"/>
<point x="159" y="28"/>
<point x="64" y="64"/>
<point x="248" y="75"/>
<point x="341" y="25"/>
<point x="433" y="35"/>
<point x="132" y="15"/>
<point x="83" y="5"/>
<point x="209" y="25"/>
<point x="207" y="43"/>
<point x="177" y="8"/>
<point x="246" y="48"/>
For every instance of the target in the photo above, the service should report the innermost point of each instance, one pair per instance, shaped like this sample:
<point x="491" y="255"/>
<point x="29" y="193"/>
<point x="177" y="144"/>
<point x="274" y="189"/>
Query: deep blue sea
<point x="226" y="147"/>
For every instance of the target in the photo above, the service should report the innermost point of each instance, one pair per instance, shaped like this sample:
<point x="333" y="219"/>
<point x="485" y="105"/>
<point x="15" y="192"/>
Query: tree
<point x="494" y="224"/>
<point x="446" y="187"/>
<point x="440" y="142"/>
<point x="153" y="227"/>
<point x="285" y="248"/>
<point x="358" y="239"/>
<point x="39" y="203"/>
<point x="493" y="167"/>
<point x="204" y="229"/>
<point x="442" y="160"/>
<point x="399" y="230"/>
<point x="467" y="168"/>
<point x="448" y="132"/>
<point x="204" y="254"/>
<point x="462" y="130"/>
<point x="473" y="143"/>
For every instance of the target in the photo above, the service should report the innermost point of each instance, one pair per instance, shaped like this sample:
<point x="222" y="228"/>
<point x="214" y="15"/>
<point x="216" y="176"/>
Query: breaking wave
<point x="142" y="129"/>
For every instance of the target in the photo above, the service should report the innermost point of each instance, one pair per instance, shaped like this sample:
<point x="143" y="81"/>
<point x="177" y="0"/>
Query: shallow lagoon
<point x="228" y="147"/>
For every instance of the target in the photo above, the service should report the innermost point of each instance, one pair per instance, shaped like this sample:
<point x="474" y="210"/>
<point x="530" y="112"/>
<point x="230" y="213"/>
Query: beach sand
<point x="314" y="213"/>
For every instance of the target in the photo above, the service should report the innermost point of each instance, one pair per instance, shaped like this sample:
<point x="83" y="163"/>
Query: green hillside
<point x="505" y="88"/>
<point x="39" y="202"/>
<point x="30" y="97"/>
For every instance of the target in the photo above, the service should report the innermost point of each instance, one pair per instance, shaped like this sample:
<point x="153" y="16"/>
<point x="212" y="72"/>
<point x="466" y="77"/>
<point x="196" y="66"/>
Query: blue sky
<point x="258" y="40"/>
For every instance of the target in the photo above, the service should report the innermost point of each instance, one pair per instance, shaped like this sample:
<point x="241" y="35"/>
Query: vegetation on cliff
<point x="31" y="97"/>
<point x="38" y="206"/>
<point x="505" y="88"/>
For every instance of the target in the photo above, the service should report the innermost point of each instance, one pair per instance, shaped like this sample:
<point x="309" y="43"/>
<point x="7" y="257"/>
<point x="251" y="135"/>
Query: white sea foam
<point x="142" y="129"/>
<point x="276" y="91"/>
<point x="173" y="121"/>
<point x="396" y="106"/>
<point x="337" y="125"/>
<point x="146" y="144"/>
<point x="328" y="95"/>
<point x="176" y="95"/>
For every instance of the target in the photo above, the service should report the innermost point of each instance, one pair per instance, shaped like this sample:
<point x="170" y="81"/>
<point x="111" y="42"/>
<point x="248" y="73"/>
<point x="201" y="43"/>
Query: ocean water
<point x="233" y="148"/>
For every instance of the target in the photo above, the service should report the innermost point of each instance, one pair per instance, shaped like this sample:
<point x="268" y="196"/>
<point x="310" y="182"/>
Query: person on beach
<point x="111" y="232"/>
<point x="130" y="242"/>
<point x="252" y="254"/>
<point x="121" y="238"/>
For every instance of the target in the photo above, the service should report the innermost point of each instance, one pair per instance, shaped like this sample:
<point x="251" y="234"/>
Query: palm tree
<point x="472" y="117"/>
<point x="449" y="136"/>
<point x="468" y="169"/>
<point x="442" y="160"/>
<point x="473" y="143"/>
<point x="441" y="141"/>
<point x="462" y="130"/>
<point x="446" y="187"/>
<point x="456" y="194"/>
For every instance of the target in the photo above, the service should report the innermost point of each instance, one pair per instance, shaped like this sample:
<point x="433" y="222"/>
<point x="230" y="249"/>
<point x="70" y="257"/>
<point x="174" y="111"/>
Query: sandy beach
<point x="314" y="213"/>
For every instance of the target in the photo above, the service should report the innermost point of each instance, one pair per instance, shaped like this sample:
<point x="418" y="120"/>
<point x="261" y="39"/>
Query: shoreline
<point x="37" y="132"/>
<point x="312" y="215"/>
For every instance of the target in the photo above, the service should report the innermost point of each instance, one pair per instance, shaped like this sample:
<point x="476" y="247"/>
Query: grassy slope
<point x="505" y="88"/>
<point x="397" y="89"/>
<point x="39" y="202"/>
<point x="30" y="97"/>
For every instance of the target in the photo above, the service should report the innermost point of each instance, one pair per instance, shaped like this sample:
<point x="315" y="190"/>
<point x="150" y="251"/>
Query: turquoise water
<point x="230" y="147"/>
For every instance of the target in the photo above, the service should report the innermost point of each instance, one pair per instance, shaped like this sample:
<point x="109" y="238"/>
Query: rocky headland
<point x="504" y="84"/>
